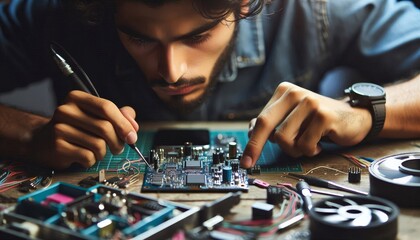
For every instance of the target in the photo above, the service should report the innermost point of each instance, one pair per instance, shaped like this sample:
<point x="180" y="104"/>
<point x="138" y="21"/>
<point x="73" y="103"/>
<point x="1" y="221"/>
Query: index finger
<point x="106" y="110"/>
<point x="257" y="140"/>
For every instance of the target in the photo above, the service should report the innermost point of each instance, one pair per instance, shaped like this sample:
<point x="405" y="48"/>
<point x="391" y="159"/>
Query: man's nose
<point x="171" y="64"/>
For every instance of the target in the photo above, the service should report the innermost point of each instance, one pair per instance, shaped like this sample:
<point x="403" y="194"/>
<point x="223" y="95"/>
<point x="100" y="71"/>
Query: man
<point x="200" y="60"/>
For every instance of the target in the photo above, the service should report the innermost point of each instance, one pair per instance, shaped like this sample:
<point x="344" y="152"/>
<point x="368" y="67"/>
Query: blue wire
<point x="367" y="159"/>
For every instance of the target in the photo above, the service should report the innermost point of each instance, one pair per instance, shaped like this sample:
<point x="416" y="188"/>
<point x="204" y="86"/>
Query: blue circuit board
<point x="271" y="159"/>
<point x="195" y="168"/>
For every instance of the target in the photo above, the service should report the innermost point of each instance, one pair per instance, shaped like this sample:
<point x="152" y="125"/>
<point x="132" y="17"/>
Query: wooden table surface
<point x="318" y="166"/>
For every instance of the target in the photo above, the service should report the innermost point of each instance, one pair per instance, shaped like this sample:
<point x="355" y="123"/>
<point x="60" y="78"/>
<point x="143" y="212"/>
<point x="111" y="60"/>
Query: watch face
<point x="368" y="89"/>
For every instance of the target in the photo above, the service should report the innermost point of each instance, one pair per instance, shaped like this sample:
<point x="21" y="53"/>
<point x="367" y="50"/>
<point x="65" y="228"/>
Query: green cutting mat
<point x="271" y="159"/>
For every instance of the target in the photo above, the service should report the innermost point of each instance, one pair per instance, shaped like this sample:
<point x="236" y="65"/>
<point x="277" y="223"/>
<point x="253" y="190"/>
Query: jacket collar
<point x="249" y="50"/>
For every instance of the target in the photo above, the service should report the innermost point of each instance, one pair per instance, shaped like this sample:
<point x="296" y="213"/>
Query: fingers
<point x="258" y="137"/>
<point x="69" y="154"/>
<point x="51" y="146"/>
<point x="100" y="108"/>
<point x="279" y="106"/>
<point x="81" y="129"/>
<point x="302" y="129"/>
<point x="294" y="118"/>
<point x="130" y="115"/>
<point x="80" y="139"/>
<point x="71" y="115"/>
<point x="251" y="126"/>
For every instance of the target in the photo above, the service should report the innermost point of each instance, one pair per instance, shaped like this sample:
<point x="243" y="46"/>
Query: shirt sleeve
<point x="380" y="39"/>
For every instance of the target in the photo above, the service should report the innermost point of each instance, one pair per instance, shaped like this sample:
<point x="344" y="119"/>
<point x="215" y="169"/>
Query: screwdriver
<point x="85" y="86"/>
<point x="319" y="182"/>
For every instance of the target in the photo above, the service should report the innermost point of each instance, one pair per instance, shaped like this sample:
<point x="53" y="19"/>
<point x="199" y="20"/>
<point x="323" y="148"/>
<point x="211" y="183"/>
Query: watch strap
<point x="378" y="118"/>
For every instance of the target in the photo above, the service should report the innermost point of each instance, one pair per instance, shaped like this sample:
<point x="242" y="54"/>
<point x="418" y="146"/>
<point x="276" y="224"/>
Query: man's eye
<point x="198" y="39"/>
<point x="139" y="41"/>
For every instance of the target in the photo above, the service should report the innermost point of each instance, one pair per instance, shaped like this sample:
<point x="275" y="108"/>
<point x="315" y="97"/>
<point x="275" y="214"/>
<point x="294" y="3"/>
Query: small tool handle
<point x="312" y="180"/>
<point x="304" y="190"/>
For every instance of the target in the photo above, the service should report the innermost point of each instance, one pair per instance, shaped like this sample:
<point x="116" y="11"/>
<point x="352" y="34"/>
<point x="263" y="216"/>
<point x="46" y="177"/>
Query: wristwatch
<point x="372" y="97"/>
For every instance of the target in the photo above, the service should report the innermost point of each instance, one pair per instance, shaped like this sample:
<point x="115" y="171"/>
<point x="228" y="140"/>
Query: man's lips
<point x="177" y="90"/>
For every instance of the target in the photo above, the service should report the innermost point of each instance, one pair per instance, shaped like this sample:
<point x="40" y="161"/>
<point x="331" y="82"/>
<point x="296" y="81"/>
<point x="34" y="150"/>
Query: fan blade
<point x="362" y="220"/>
<point x="379" y="207"/>
<point x="332" y="204"/>
<point x="335" y="218"/>
<point x="382" y="217"/>
<point x="349" y="201"/>
<point x="326" y="210"/>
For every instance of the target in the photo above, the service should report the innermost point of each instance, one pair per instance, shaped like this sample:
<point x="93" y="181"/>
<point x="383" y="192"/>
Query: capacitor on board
<point x="221" y="156"/>
<point x="154" y="159"/>
<point x="215" y="158"/>
<point x="227" y="174"/>
<point x="188" y="149"/>
<point x="233" y="148"/>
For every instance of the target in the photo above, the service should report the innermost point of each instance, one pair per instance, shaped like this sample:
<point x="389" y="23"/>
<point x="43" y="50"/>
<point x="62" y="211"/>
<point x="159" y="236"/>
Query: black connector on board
<point x="255" y="170"/>
<point x="262" y="211"/>
<point x="354" y="175"/>
<point x="275" y="195"/>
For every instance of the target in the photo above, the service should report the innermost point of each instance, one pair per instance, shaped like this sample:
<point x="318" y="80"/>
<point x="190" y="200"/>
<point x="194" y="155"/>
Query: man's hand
<point x="296" y="119"/>
<point x="81" y="129"/>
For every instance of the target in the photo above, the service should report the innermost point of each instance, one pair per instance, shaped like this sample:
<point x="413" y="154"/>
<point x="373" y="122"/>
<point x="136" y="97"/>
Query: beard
<point x="178" y="103"/>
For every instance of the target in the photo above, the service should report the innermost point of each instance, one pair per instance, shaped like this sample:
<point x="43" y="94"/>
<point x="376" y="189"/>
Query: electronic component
<point x="189" y="167"/>
<point x="112" y="180"/>
<point x="88" y="182"/>
<point x="27" y="186"/>
<point x="397" y="178"/>
<point x="64" y="211"/>
<point x="265" y="222"/>
<point x="227" y="174"/>
<point x="77" y="213"/>
<point x="261" y="211"/>
<point x="57" y="198"/>
<point x="101" y="176"/>
<point x="259" y="183"/>
<point x="354" y="175"/>
<point x="255" y="170"/>
<point x="354" y="217"/>
<point x="274" y="195"/>
<point x="195" y="179"/>
<point x="116" y="182"/>
<point x="233" y="150"/>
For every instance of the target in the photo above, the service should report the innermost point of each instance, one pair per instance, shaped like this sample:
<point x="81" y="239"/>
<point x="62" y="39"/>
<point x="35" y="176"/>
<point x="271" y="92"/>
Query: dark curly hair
<point x="96" y="11"/>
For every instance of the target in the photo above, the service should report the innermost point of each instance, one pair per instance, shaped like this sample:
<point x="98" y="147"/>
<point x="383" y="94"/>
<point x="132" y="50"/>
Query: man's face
<point x="177" y="49"/>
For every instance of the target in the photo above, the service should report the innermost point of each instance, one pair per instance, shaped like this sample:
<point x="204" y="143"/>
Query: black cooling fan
<point x="397" y="178"/>
<point x="354" y="217"/>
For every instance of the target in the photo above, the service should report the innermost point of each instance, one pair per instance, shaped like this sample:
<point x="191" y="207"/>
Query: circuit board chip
<point x="192" y="165"/>
<point x="196" y="179"/>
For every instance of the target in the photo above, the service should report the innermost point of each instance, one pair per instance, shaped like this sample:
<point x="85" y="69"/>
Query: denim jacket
<point x="298" y="41"/>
